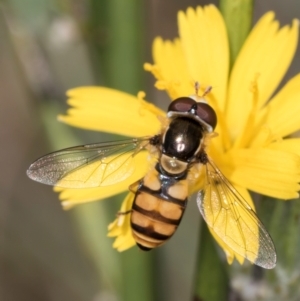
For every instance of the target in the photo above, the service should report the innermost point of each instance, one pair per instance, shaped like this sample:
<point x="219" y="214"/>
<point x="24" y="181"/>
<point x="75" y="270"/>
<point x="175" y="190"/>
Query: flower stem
<point x="238" y="18"/>
<point x="211" y="276"/>
<point x="120" y="61"/>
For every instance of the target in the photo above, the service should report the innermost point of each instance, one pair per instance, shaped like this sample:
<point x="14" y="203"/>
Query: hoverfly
<point x="161" y="196"/>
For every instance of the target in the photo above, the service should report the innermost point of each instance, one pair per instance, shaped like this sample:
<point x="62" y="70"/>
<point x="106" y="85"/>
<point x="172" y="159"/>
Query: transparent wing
<point x="90" y="165"/>
<point x="231" y="218"/>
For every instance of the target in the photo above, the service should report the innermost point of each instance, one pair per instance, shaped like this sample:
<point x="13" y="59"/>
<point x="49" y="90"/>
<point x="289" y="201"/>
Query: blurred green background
<point x="46" y="48"/>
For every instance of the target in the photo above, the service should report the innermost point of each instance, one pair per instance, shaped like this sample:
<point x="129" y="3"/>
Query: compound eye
<point x="206" y="113"/>
<point x="181" y="104"/>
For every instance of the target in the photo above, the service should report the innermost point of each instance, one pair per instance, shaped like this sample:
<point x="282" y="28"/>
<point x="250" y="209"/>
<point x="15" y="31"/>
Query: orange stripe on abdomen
<point x="154" y="219"/>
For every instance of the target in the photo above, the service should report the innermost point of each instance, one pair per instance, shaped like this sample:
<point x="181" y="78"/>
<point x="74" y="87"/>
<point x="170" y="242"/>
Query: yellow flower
<point x="253" y="148"/>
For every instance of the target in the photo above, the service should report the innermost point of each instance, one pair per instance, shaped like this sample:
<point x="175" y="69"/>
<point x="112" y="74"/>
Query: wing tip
<point x="30" y="172"/>
<point x="269" y="263"/>
<point x="36" y="174"/>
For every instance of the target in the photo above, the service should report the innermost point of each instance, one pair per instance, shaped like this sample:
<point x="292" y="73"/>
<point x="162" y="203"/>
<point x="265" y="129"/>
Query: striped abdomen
<point x="157" y="210"/>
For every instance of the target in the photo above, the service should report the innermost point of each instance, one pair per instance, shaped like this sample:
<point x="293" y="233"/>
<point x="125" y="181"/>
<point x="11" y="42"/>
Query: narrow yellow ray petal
<point x="124" y="242"/>
<point x="205" y="45"/>
<point x="258" y="61"/>
<point x="171" y="69"/>
<point x="112" y="111"/>
<point x="267" y="171"/>
<point x="72" y="197"/>
<point x="115" y="228"/>
<point x="288" y="145"/>
<point x="281" y="114"/>
<point x="121" y="228"/>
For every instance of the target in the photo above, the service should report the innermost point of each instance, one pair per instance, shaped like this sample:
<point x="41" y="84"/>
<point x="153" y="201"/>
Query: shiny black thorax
<point x="182" y="139"/>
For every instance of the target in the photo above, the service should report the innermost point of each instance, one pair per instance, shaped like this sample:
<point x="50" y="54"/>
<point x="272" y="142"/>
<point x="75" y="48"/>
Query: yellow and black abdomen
<point x="157" y="209"/>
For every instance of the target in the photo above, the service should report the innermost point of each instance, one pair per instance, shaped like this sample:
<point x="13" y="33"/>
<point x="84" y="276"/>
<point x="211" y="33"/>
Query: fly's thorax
<point x="181" y="143"/>
<point x="182" y="139"/>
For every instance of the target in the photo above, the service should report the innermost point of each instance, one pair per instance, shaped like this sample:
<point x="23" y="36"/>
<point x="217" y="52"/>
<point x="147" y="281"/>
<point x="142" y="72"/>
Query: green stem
<point x="115" y="33"/>
<point x="119" y="55"/>
<point x="125" y="47"/>
<point x="211" y="280"/>
<point x="238" y="18"/>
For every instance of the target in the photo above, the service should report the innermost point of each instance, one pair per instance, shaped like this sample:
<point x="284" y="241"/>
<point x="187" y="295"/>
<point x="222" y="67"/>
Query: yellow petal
<point x="121" y="228"/>
<point x="112" y="111"/>
<point x="267" y="171"/>
<point x="205" y="45"/>
<point x="288" y="145"/>
<point x="124" y="242"/>
<point x="72" y="197"/>
<point x="281" y="114"/>
<point x="265" y="57"/>
<point x="170" y="68"/>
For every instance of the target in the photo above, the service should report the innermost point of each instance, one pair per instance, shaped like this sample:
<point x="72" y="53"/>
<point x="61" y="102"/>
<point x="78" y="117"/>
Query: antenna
<point x="197" y="88"/>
